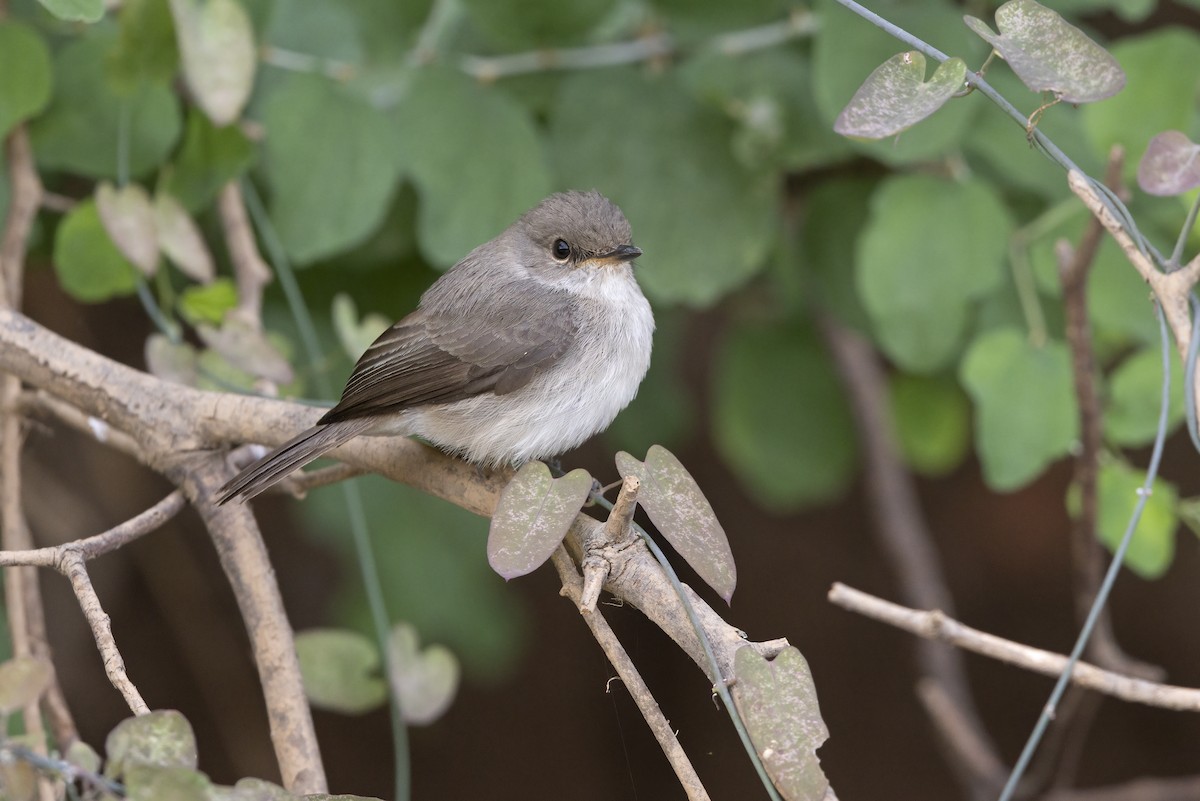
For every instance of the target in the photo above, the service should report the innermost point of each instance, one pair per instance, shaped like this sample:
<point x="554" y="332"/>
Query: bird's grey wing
<point x="450" y="351"/>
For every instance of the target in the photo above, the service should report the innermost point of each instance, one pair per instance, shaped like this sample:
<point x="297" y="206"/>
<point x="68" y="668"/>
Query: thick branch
<point x="935" y="625"/>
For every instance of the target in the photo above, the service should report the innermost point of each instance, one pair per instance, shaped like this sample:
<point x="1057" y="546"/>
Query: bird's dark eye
<point x="561" y="250"/>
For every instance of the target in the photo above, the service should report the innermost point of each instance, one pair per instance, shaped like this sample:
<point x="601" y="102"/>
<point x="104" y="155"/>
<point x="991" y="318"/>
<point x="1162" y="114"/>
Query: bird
<point x="524" y="349"/>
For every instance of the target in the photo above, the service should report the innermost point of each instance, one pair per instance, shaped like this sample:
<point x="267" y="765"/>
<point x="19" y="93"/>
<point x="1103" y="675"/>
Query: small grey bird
<point x="524" y="349"/>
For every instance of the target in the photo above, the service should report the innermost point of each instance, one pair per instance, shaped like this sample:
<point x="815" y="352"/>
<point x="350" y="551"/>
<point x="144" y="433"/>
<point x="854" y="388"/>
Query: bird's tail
<point x="291" y="455"/>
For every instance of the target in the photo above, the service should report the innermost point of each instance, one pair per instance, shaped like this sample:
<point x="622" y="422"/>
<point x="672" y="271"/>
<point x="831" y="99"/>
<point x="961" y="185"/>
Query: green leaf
<point x="1134" y="117"/>
<point x="88" y="264"/>
<point x="128" y="219"/>
<point x="1135" y="398"/>
<point x="170" y="361"/>
<point x="1153" y="545"/>
<point x="162" y="738"/>
<point x="1049" y="54"/>
<point x="153" y="783"/>
<point x="24" y="74"/>
<point x="778" y="702"/>
<point x="896" y="96"/>
<point x="23" y="679"/>
<point x="677" y="507"/>
<point x="341" y="670"/>
<point x="80" y="131"/>
<point x="1025" y="405"/>
<point x="440" y="125"/>
<point x="514" y="24"/>
<point x="929" y="247"/>
<point x="208" y="303"/>
<point x="780" y="417"/>
<point x="247" y="348"/>
<point x="326" y="198"/>
<point x="355" y="335"/>
<point x="1170" y="165"/>
<point x="251" y="789"/>
<point x="532" y="517"/>
<point x="676" y="187"/>
<point x="209" y="158"/>
<point x="846" y="47"/>
<point x="145" y="50"/>
<point x="75" y="10"/>
<point x="180" y="239"/>
<point x="932" y="420"/>
<point x="424" y="679"/>
<point x="216" y="43"/>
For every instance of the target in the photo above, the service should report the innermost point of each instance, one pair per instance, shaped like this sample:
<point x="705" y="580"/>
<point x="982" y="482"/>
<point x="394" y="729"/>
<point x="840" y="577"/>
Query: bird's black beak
<point x="622" y="253"/>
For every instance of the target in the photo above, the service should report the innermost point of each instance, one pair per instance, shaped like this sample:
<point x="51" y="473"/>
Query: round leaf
<point x="81" y="130"/>
<point x="469" y="192"/>
<point x="180" y="239"/>
<point x="145" y="49"/>
<point x="1153" y="545"/>
<point x="154" y="783"/>
<point x="677" y="507"/>
<point x="781" y="419"/>
<point x="1169" y="166"/>
<point x="162" y="738"/>
<point x="778" y="702"/>
<point x="247" y="348"/>
<point x="208" y="303"/>
<point x="24" y="74"/>
<point x="929" y="247"/>
<point x="208" y="159"/>
<point x="425" y="680"/>
<point x="715" y="230"/>
<point x="327" y="197"/>
<point x="89" y="266"/>
<point x="22" y="681"/>
<point x="129" y="220"/>
<point x="896" y="96"/>
<point x="532" y="517"/>
<point x="1051" y="55"/>
<point x="1025" y="405"/>
<point x="1135" y="398"/>
<point x="340" y="670"/>
<point x="170" y="361"/>
<point x="216" y="43"/>
<point x="933" y="423"/>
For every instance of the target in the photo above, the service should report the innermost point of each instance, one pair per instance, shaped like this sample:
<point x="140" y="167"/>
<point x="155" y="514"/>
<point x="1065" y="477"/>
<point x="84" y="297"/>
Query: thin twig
<point x="904" y="536"/>
<point x="1074" y="267"/>
<point x="249" y="269"/>
<point x="607" y="639"/>
<point x="936" y="626"/>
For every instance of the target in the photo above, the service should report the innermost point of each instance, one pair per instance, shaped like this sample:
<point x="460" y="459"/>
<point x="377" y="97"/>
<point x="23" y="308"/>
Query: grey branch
<point x="937" y="626"/>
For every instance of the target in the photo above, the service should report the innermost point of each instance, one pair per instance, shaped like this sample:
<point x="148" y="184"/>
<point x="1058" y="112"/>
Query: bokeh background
<point x="385" y="139"/>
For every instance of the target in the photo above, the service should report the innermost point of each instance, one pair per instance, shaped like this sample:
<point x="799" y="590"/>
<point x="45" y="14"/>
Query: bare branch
<point x="659" y="725"/>
<point x="249" y="267"/>
<point x="935" y="625"/>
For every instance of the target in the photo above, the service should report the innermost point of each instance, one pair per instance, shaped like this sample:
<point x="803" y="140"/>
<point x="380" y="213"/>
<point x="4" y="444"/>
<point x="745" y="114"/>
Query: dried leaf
<point x="532" y="517"/>
<point x="246" y="348"/>
<point x="216" y="43"/>
<point x="170" y="361"/>
<point x="1170" y="166"/>
<point x="162" y="738"/>
<point x="778" y="702"/>
<point x="128" y="219"/>
<point x="426" y="680"/>
<point x="179" y="237"/>
<point x="1049" y="54"/>
<point x="896" y="96"/>
<point x="22" y="681"/>
<point x="678" y="509"/>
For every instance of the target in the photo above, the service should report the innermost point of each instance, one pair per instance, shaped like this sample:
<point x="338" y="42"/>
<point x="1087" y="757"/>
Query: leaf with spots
<point x="778" y="702"/>
<point x="1170" y="165"/>
<point x="533" y="516"/>
<point x="896" y="96"/>
<point x="162" y="738"/>
<point x="678" y="509"/>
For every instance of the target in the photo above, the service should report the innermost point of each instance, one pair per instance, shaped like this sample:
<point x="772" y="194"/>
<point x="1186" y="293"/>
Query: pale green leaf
<point x="896" y="96"/>
<point x="75" y="10"/>
<point x="163" y="738"/>
<point x="677" y="507"/>
<point x="341" y="670"/>
<point x="425" y="680"/>
<point x="532" y="517"/>
<point x="128" y="218"/>
<point x="180" y="239"/>
<point x="22" y="681"/>
<point x="216" y="43"/>
<point x="1152" y="548"/>
<point x="778" y="702"/>
<point x="25" y="76"/>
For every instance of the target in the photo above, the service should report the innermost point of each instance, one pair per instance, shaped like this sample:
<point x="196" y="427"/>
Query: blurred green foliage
<point x="383" y="156"/>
